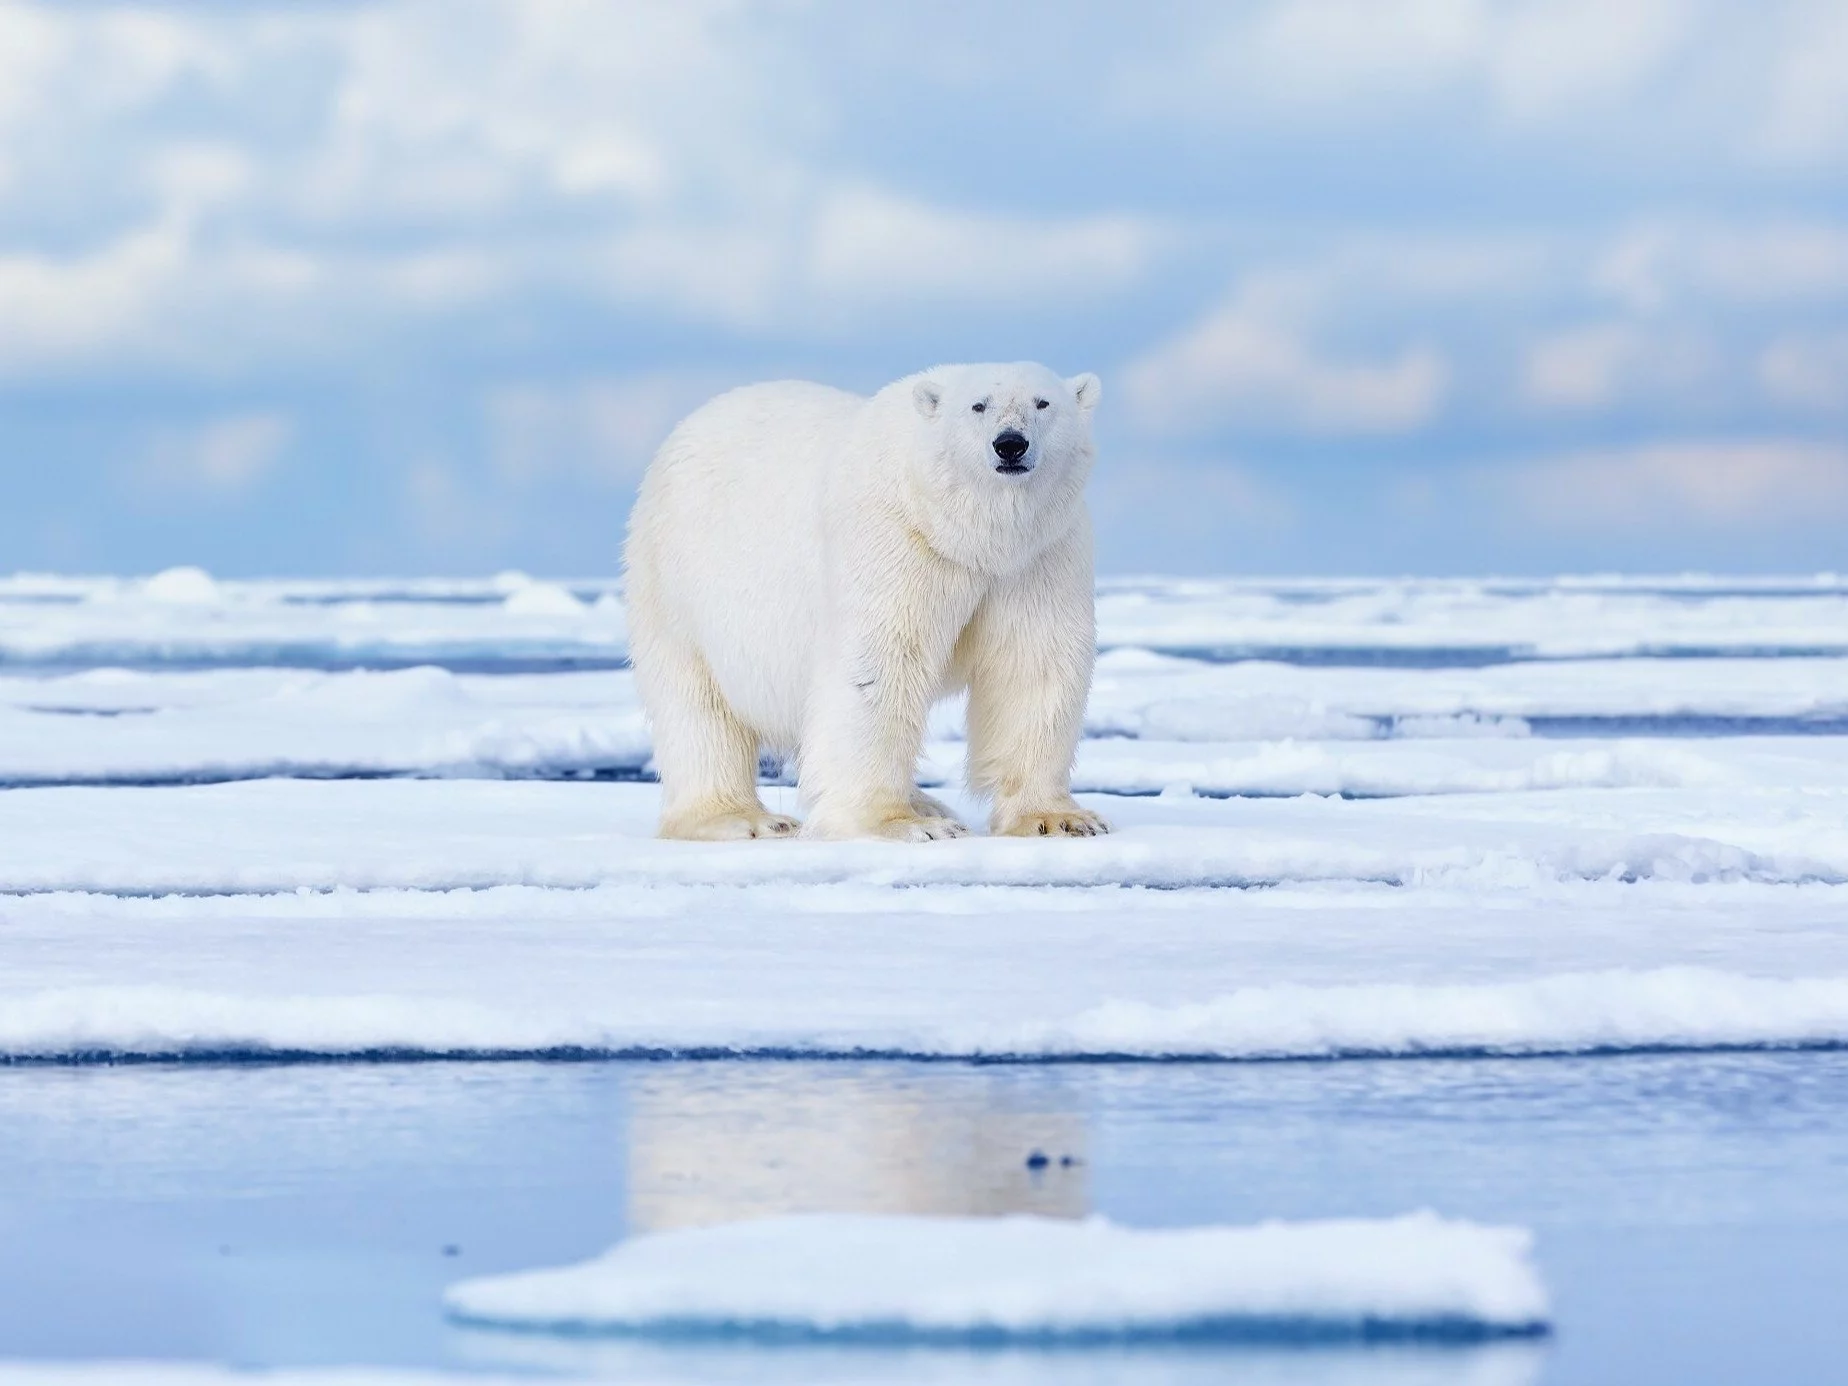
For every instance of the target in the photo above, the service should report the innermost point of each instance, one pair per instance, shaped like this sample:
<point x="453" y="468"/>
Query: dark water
<point x="1692" y="1210"/>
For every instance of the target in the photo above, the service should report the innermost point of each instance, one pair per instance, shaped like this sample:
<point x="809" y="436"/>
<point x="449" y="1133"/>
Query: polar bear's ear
<point x="927" y="394"/>
<point x="1087" y="389"/>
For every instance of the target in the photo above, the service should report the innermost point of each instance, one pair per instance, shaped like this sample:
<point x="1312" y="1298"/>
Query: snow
<point x="894" y="1278"/>
<point x="240" y="724"/>
<point x="186" y="616"/>
<point x="1154" y="721"/>
<point x="282" y="835"/>
<point x="412" y="820"/>
<point x="1315" y="858"/>
<point x="1666" y="1008"/>
<point x="1138" y="693"/>
<point x="1429" y="620"/>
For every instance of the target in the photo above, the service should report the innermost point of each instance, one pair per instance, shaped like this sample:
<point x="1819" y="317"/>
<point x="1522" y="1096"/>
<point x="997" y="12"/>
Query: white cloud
<point x="1807" y="120"/>
<point x="1252" y="361"/>
<point x="1531" y="60"/>
<point x="1648" y="267"/>
<point x="873" y="244"/>
<point x="430" y="157"/>
<point x="1701" y="82"/>
<point x="56" y="308"/>
<point x="1598" y="366"/>
<point x="225" y="188"/>
<point x="227" y="454"/>
<point x="1809" y="371"/>
<point x="1755" y="484"/>
<point x="604" y="430"/>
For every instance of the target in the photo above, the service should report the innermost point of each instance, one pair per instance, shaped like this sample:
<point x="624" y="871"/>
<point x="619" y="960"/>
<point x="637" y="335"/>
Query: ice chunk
<point x="890" y="1278"/>
<point x="182" y="587"/>
<point x="542" y="599"/>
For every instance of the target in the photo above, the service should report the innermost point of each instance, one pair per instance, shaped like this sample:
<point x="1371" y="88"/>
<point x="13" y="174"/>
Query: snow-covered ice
<point x="1421" y="621"/>
<point x="1418" y="849"/>
<point x="889" y="1278"/>
<point x="1667" y="1008"/>
<point x="1256" y="727"/>
<point x="940" y="971"/>
<point x="283" y="835"/>
<point x="184" y="617"/>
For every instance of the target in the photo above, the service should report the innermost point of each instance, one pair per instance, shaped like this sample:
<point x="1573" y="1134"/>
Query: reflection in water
<point x="682" y="1364"/>
<point x="717" y="1143"/>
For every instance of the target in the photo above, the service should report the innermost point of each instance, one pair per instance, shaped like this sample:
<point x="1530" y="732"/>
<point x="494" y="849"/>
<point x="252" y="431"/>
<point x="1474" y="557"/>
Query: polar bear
<point x="809" y="570"/>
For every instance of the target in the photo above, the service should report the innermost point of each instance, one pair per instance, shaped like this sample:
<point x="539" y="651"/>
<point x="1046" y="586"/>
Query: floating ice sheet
<point x="897" y="1279"/>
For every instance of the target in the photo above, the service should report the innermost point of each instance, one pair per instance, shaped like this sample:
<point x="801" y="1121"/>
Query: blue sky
<point x="1433" y="286"/>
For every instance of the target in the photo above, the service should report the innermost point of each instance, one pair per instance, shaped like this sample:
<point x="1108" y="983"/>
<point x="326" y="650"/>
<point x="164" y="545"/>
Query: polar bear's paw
<point x="732" y="827"/>
<point x="927" y="806"/>
<point x="910" y="819"/>
<point x="1059" y="822"/>
<point x="920" y="828"/>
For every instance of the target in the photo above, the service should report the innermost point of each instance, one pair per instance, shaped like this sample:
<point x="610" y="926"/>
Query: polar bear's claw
<point x="1074" y="822"/>
<point x="734" y="827"/>
<point x="922" y="829"/>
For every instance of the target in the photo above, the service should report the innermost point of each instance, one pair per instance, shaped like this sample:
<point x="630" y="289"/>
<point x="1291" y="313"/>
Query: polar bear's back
<point x="725" y="542"/>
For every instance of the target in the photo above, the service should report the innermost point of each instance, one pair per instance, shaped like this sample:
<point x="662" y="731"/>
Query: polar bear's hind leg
<point x="706" y="757"/>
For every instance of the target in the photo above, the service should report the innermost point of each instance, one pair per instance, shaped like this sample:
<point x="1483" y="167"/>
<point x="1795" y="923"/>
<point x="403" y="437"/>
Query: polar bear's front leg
<point x="1028" y="653"/>
<point x="859" y="760"/>
<point x="867" y="711"/>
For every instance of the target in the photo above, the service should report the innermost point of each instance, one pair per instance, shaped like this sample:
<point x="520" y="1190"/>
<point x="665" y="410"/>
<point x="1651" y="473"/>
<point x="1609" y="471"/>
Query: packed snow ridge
<point x="999" y="1280"/>
<point x="1682" y="1008"/>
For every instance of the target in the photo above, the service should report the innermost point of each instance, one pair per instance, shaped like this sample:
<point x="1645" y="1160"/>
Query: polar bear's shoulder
<point x="775" y="402"/>
<point x="784" y="427"/>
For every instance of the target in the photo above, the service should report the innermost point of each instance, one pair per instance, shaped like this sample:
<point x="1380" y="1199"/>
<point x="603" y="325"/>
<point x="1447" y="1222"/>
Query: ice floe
<point x="887" y="1279"/>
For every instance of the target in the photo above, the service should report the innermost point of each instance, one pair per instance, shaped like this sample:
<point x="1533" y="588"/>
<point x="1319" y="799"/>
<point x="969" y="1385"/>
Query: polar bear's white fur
<point x="809" y="570"/>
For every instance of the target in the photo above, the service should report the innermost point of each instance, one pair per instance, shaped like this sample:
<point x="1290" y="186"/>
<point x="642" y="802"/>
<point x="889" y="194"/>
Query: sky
<point x="1374" y="286"/>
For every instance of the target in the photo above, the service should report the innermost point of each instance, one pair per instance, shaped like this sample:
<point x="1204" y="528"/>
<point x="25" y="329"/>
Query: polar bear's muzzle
<point x="1011" y="448"/>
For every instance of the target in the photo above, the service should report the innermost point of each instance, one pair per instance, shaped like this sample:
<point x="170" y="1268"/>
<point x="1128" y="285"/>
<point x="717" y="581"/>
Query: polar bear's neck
<point x="994" y="530"/>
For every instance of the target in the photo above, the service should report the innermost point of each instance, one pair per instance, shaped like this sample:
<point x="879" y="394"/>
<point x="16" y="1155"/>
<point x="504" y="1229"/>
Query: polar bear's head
<point x="1009" y="424"/>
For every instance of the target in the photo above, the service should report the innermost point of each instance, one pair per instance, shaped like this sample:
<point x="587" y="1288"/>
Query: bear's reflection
<point x="714" y="1143"/>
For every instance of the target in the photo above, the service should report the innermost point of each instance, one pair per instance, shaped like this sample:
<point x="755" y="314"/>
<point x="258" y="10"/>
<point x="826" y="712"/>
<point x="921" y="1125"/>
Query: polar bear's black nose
<point x="1010" y="446"/>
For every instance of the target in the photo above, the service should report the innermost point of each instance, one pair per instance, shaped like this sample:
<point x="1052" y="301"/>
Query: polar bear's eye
<point x="1040" y="403"/>
<point x="980" y="406"/>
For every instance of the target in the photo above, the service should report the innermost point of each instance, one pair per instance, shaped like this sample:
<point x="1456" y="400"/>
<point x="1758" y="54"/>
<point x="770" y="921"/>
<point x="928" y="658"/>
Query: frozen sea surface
<point x="264" y="845"/>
